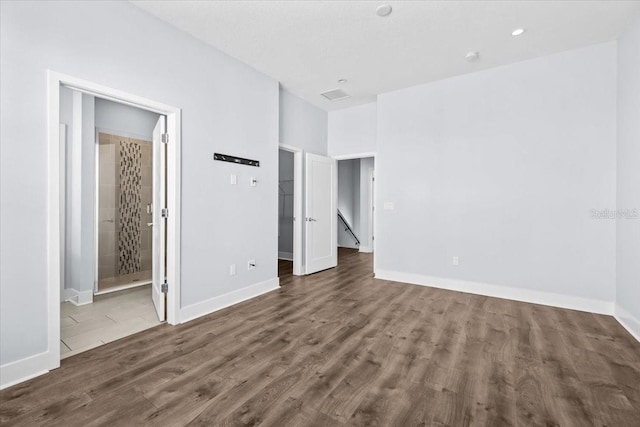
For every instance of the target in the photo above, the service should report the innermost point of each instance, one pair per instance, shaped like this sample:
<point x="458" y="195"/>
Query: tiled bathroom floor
<point x="111" y="316"/>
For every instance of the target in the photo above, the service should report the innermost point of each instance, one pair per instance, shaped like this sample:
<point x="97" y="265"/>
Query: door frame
<point x="298" y="208"/>
<point x="371" y="207"/>
<point x="55" y="188"/>
<point x="374" y="193"/>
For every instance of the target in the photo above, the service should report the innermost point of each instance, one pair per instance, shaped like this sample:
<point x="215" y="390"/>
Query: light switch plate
<point x="388" y="206"/>
<point x="232" y="270"/>
<point x="234" y="179"/>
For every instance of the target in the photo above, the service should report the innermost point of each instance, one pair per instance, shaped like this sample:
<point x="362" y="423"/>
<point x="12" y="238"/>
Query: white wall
<point x="353" y="130"/>
<point x="628" y="179"/>
<point x="124" y="120"/>
<point x="302" y="125"/>
<point x="77" y="114"/>
<point x="227" y="107"/>
<point x="502" y="168"/>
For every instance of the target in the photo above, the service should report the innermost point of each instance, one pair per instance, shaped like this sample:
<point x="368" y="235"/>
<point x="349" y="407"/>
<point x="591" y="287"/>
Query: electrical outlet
<point x="232" y="270"/>
<point x="455" y="260"/>
<point x="251" y="264"/>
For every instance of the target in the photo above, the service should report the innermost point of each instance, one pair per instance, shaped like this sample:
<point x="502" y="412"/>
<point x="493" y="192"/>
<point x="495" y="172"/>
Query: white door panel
<point x="159" y="223"/>
<point x="320" y="213"/>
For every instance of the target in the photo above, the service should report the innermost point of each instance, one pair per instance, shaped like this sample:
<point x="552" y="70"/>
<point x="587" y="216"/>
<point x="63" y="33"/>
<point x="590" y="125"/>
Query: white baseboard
<point x="348" y="247"/>
<point x="200" y="309"/>
<point x="628" y="321"/>
<point x="285" y="255"/>
<point x="24" y="369"/>
<point x="497" y="291"/>
<point x="366" y="249"/>
<point x="76" y="297"/>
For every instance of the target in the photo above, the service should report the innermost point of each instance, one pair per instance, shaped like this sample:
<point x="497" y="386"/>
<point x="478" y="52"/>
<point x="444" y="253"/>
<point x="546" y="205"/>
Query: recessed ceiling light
<point x="383" y="10"/>
<point x="472" y="56"/>
<point x="342" y="81"/>
<point x="518" y="32"/>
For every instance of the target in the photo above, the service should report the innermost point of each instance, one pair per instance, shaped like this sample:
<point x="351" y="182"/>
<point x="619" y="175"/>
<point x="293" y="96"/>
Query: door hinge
<point x="165" y="286"/>
<point x="165" y="138"/>
<point x="164" y="213"/>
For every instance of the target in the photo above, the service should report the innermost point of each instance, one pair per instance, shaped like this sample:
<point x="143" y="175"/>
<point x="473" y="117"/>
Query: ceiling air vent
<point x="335" y="94"/>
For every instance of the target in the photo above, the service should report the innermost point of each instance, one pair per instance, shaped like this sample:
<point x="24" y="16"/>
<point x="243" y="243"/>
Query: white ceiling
<point x="309" y="45"/>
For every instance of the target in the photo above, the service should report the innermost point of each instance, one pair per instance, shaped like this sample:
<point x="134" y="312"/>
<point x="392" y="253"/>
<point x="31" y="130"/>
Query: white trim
<point x="76" y="297"/>
<point x="366" y="249"/>
<point x="63" y="206"/>
<point x="354" y="156"/>
<point x="349" y="247"/>
<point x="372" y="211"/>
<point x="628" y="321"/>
<point x="298" y="214"/>
<point x="290" y="148"/>
<point x="287" y="256"/>
<point x="497" y="291"/>
<point x="24" y="369"/>
<point x="214" y="304"/>
<point x="51" y="358"/>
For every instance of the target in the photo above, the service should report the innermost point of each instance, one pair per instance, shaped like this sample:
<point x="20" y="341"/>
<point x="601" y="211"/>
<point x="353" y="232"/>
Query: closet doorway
<point x="290" y="239"/>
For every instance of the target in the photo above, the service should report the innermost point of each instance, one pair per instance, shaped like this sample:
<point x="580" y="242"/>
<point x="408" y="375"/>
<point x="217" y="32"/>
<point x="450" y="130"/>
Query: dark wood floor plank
<point x="342" y="348"/>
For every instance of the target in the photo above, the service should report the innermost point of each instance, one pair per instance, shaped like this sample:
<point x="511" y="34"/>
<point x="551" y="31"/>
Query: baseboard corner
<point x="24" y="369"/>
<point x="628" y="321"/>
<point x="214" y="304"/>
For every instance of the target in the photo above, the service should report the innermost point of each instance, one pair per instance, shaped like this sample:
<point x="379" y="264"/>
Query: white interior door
<point x="159" y="222"/>
<point x="321" y="230"/>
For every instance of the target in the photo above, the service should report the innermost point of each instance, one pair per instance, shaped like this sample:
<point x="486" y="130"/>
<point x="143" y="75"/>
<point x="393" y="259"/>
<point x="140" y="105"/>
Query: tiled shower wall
<point x="124" y="191"/>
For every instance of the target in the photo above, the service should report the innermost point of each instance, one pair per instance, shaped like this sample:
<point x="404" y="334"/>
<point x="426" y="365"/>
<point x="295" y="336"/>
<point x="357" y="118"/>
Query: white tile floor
<point x="110" y="317"/>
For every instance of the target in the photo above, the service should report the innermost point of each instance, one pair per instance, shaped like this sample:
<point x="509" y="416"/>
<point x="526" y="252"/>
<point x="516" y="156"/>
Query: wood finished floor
<point x="340" y="348"/>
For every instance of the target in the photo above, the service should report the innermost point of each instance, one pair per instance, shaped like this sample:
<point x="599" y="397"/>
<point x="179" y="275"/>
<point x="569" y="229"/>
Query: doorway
<point x="104" y="243"/>
<point x="355" y="213"/>
<point x="290" y="239"/>
<point x="108" y="219"/>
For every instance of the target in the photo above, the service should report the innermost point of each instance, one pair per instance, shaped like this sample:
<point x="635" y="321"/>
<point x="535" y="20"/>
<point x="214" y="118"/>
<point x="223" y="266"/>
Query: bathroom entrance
<point x="114" y="220"/>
